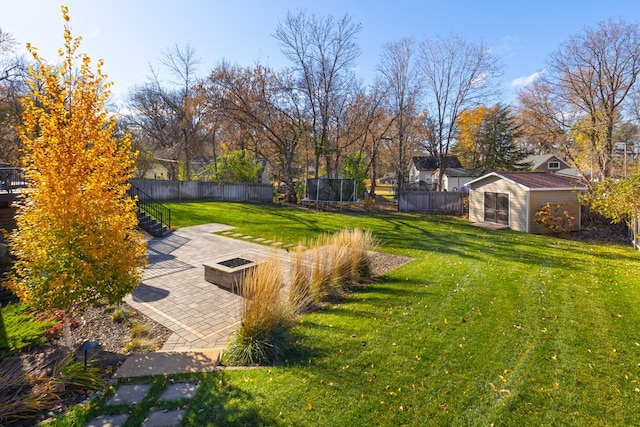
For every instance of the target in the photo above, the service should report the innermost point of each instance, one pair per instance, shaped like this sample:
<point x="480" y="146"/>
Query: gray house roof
<point x="430" y="163"/>
<point x="463" y="173"/>
<point x="541" y="159"/>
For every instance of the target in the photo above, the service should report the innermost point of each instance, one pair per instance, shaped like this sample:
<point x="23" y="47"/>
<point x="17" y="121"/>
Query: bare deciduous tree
<point x="323" y="53"/>
<point x="584" y="91"/>
<point x="456" y="74"/>
<point x="13" y="76"/>
<point x="171" y="113"/>
<point x="268" y="106"/>
<point x="400" y="80"/>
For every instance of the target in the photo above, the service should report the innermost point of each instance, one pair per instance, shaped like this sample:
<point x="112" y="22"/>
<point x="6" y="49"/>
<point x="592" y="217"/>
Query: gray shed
<point x="513" y="198"/>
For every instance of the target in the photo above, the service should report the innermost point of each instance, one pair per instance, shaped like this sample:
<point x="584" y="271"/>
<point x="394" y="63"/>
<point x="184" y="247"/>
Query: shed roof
<point x="430" y="163"/>
<point x="536" y="181"/>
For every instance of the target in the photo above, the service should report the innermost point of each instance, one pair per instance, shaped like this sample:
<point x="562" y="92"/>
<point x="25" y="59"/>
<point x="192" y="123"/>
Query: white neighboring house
<point x="454" y="179"/>
<point x="158" y="171"/>
<point x="421" y="168"/>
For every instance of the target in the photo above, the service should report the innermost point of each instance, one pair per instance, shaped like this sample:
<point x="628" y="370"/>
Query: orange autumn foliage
<point x="76" y="239"/>
<point x="469" y="146"/>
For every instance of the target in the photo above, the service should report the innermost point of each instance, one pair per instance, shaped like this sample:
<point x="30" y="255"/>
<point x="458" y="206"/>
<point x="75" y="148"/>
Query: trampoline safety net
<point x="331" y="190"/>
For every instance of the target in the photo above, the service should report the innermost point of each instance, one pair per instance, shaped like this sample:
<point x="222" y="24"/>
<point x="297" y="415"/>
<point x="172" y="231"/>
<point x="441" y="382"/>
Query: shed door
<point x="496" y="208"/>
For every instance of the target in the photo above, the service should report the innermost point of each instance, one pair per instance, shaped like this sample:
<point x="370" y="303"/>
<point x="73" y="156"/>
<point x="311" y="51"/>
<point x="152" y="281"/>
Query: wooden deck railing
<point x="12" y="179"/>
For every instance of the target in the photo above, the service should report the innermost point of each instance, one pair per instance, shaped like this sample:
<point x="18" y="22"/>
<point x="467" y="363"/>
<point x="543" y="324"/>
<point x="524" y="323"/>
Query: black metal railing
<point x="12" y="179"/>
<point x="151" y="207"/>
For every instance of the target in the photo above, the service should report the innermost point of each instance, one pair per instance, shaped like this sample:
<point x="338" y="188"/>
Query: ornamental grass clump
<point x="267" y="318"/>
<point x="357" y="244"/>
<point x="31" y="386"/>
<point x="324" y="285"/>
<point x="300" y="294"/>
<point x="339" y="262"/>
<point x="271" y="305"/>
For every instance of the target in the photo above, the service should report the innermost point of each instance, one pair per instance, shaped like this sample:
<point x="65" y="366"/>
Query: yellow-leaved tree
<point x="468" y="146"/>
<point x="76" y="241"/>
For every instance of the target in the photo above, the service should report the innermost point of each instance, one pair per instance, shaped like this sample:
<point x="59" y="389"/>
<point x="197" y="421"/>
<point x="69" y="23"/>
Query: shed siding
<point x="563" y="197"/>
<point x="517" y="201"/>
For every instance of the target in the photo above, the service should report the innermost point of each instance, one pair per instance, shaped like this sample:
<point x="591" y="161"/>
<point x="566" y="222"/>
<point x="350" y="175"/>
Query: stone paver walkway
<point x="174" y="293"/>
<point x="134" y="394"/>
<point x="129" y="394"/>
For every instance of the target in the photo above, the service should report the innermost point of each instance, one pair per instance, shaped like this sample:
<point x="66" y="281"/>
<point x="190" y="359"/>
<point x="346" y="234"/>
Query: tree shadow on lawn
<point x="292" y="219"/>
<point x="304" y="347"/>
<point x="478" y="244"/>
<point x="347" y="313"/>
<point x="219" y="403"/>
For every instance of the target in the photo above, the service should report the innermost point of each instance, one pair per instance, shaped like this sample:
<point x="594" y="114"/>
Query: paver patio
<point x="174" y="293"/>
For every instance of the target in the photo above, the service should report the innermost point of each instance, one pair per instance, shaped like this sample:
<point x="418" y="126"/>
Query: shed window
<point x="554" y="165"/>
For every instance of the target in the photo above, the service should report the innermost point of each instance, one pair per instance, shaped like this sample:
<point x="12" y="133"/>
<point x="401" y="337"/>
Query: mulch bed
<point x="95" y="325"/>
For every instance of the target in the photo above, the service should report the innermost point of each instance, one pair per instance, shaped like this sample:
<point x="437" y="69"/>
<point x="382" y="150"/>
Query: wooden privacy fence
<point x="204" y="190"/>
<point x="431" y="201"/>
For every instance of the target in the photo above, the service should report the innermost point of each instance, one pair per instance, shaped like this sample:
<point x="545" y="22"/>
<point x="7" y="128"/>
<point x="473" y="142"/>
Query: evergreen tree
<point x="497" y="137"/>
<point x="486" y="139"/>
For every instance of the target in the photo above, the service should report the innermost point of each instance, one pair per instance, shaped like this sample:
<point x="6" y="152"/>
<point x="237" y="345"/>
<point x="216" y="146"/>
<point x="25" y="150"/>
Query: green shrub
<point x="555" y="217"/>
<point x="21" y="328"/>
<point x="258" y="345"/>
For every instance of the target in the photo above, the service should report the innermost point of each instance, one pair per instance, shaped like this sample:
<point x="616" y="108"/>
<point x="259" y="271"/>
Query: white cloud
<point x="506" y="47"/>
<point x="525" y="80"/>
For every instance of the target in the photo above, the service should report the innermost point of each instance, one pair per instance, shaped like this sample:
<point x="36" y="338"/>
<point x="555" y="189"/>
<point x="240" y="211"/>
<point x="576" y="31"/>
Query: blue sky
<point x="130" y="34"/>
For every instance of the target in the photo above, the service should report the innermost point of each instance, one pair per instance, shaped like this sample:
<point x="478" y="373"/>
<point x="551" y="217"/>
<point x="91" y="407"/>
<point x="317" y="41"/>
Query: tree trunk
<point x="316" y="153"/>
<point x="187" y="160"/>
<point x="374" y="173"/>
<point x="66" y="329"/>
<point x="215" y="154"/>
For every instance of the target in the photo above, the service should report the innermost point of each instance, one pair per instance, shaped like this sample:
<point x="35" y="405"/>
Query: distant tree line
<point x="313" y="118"/>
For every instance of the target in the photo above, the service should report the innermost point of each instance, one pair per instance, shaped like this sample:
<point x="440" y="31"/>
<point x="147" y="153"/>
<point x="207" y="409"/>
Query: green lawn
<point x="482" y="327"/>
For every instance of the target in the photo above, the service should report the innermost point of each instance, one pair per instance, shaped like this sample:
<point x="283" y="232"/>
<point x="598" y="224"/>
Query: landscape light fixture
<point x="86" y="346"/>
